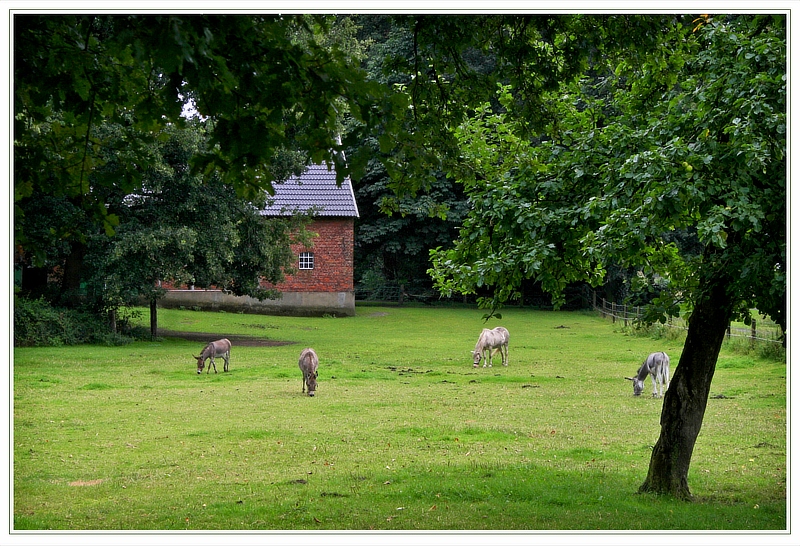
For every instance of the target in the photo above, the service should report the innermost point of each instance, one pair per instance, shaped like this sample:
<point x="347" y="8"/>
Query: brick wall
<point x="333" y="259"/>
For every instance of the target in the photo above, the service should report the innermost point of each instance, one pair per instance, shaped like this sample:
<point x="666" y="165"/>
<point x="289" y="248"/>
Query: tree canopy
<point x="265" y="84"/>
<point x="394" y="233"/>
<point x="180" y="230"/>
<point x="99" y="100"/>
<point x="697" y="147"/>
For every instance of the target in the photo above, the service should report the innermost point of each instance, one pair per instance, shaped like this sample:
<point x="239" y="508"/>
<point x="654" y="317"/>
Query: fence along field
<point x="402" y="433"/>
<point x="763" y="330"/>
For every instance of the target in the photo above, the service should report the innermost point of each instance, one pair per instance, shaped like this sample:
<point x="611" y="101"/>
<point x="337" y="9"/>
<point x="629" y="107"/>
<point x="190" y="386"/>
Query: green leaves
<point x="690" y="144"/>
<point x="266" y="84"/>
<point x="183" y="229"/>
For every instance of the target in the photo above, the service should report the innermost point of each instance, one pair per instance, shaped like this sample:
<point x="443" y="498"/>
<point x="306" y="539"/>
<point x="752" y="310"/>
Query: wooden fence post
<point x="753" y="332"/>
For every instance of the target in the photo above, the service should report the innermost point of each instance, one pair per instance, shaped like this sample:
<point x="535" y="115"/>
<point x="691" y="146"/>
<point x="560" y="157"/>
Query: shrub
<point x="762" y="349"/>
<point x="655" y="331"/>
<point x="127" y="324"/>
<point x="37" y="323"/>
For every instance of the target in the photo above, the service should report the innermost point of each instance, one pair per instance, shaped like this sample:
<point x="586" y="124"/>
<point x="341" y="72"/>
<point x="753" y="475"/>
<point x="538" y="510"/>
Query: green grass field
<point x="404" y="434"/>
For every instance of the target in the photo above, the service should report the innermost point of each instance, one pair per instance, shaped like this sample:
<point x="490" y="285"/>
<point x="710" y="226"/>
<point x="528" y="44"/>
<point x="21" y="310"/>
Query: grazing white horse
<point x="657" y="366"/>
<point x="221" y="348"/>
<point x="491" y="341"/>
<point x="308" y="365"/>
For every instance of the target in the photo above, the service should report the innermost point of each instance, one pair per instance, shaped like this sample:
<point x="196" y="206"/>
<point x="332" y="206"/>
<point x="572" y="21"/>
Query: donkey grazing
<point x="657" y="366"/>
<point x="308" y="365"/>
<point x="491" y="341"/>
<point x="213" y="349"/>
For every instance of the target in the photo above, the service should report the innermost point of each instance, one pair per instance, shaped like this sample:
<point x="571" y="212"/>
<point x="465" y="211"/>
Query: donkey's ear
<point x="629" y="378"/>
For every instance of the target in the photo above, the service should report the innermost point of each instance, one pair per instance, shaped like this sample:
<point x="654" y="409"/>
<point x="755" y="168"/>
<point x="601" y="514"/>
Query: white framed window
<point x="306" y="260"/>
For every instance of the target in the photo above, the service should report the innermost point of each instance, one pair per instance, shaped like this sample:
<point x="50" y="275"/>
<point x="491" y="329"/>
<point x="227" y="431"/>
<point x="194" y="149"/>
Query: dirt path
<point x="235" y="339"/>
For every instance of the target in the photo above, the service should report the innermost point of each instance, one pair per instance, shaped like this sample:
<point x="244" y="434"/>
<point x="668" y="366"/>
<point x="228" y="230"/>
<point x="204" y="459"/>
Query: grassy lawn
<point x="403" y="434"/>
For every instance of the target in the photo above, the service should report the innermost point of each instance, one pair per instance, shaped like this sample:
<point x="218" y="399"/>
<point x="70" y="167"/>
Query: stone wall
<point x="310" y="304"/>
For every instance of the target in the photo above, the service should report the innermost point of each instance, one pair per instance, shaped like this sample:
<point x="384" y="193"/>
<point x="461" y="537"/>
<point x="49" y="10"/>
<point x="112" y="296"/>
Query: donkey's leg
<point x="227" y="357"/>
<point x="212" y="364"/>
<point x="655" y="392"/>
<point x="504" y="354"/>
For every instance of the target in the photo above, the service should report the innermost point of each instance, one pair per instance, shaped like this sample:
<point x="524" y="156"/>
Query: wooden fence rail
<point x="628" y="315"/>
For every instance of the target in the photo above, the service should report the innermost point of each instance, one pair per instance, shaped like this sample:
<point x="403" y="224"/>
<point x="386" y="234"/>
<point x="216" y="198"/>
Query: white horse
<point x="491" y="341"/>
<point x="657" y="366"/>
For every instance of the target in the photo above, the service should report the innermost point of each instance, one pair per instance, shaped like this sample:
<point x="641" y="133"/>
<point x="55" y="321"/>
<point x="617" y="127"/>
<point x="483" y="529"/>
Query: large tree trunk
<point x="686" y="398"/>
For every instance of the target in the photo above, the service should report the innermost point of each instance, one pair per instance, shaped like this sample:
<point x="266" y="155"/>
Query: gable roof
<point x="314" y="189"/>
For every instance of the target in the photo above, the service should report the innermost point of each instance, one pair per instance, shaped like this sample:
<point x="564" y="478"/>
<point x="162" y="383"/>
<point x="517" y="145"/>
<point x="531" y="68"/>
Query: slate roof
<point x="316" y="188"/>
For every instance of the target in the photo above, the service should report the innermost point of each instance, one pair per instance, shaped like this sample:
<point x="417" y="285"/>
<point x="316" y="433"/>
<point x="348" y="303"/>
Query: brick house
<point x="323" y="283"/>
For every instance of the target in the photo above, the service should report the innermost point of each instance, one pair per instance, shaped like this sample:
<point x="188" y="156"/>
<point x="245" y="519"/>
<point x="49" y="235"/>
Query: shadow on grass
<point x="490" y="496"/>
<point x="235" y="339"/>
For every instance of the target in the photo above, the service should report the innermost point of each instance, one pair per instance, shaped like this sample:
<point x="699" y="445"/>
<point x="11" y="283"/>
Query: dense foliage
<point x="94" y="96"/>
<point x="144" y="146"/>
<point x="37" y="323"/>
<point x="394" y="233"/>
<point x="696" y="147"/>
<point x="181" y="229"/>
